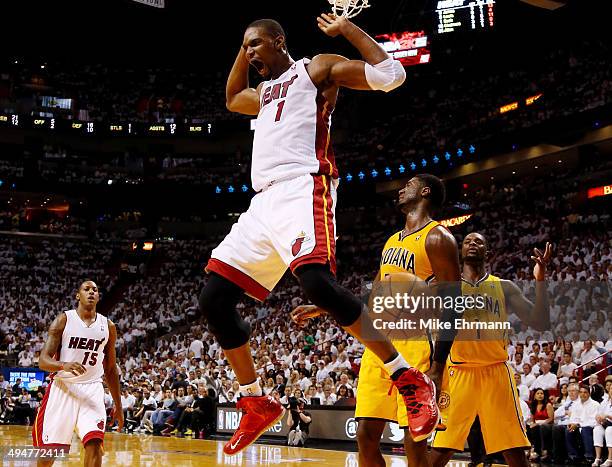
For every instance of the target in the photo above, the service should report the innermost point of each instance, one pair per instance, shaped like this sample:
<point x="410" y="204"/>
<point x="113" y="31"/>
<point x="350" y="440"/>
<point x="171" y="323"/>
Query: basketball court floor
<point x="153" y="451"/>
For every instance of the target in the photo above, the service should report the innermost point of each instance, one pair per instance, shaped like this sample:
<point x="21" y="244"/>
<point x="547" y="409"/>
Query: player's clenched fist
<point x="303" y="313"/>
<point x="75" y="368"/>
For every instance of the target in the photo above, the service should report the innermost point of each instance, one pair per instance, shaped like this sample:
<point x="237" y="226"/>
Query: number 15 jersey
<point x="85" y="345"/>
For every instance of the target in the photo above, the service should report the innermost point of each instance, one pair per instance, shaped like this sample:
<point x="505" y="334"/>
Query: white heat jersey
<point x="85" y="345"/>
<point x="292" y="134"/>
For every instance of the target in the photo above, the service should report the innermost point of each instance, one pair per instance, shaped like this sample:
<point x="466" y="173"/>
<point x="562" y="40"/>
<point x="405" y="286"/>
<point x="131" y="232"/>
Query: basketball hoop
<point x="348" y="8"/>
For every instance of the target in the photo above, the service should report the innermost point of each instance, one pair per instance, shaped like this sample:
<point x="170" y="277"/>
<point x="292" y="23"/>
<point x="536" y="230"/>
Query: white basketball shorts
<point x="67" y="408"/>
<point x="288" y="224"/>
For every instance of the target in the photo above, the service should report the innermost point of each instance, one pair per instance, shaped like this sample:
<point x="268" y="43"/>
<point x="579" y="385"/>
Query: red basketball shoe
<point x="258" y="414"/>
<point x="419" y="393"/>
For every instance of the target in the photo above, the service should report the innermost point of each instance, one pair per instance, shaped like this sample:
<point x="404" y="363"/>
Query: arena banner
<point x="604" y="190"/>
<point x="154" y="3"/>
<point x="329" y="423"/>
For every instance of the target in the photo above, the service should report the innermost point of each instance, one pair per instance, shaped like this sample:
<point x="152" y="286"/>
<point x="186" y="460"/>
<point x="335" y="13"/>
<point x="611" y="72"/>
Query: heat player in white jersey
<point x="290" y="222"/>
<point x="79" y="351"/>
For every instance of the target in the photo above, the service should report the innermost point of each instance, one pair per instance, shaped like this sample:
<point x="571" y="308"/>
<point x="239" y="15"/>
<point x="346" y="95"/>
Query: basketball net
<point x="348" y="8"/>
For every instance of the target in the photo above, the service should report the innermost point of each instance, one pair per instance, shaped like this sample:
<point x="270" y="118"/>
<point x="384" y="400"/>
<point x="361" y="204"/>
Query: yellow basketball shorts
<point x="488" y="392"/>
<point x="377" y="397"/>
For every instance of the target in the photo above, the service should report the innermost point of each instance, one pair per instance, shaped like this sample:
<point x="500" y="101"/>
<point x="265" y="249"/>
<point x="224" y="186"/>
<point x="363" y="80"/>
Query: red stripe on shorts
<point x="93" y="435"/>
<point x="323" y="148"/>
<point x="40" y="418"/>
<point x="325" y="241"/>
<point x="242" y="280"/>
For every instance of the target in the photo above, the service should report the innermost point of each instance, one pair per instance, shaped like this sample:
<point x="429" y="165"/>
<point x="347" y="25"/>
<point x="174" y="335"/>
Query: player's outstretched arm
<point x="239" y="97"/>
<point x="443" y="255"/>
<point x="112" y="374"/>
<point x="377" y="71"/>
<point x="535" y="315"/>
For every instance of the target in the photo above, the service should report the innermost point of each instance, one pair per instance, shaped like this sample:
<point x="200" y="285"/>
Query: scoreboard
<point x="186" y="129"/>
<point x="464" y="15"/>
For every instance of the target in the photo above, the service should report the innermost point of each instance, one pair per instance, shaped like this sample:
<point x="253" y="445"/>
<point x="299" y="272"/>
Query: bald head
<point x="270" y="26"/>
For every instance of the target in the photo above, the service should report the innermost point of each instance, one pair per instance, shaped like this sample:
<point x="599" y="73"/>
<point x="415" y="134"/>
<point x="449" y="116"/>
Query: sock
<point x="398" y="363"/>
<point x="251" y="389"/>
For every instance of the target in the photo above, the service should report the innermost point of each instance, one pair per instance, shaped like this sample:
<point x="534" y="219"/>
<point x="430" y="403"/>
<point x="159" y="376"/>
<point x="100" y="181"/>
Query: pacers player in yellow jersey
<point x="428" y="250"/>
<point x="479" y="382"/>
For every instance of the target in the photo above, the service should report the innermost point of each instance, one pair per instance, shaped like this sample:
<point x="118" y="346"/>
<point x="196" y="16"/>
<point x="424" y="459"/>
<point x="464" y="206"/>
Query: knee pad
<point x="218" y="301"/>
<point x="322" y="290"/>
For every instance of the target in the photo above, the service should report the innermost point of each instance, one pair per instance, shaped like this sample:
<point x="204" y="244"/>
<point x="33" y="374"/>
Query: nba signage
<point x="330" y="423"/>
<point x="154" y="3"/>
<point x="228" y="419"/>
<point x="410" y="48"/>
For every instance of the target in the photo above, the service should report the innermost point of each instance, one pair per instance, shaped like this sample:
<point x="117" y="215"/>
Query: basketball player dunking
<point x="479" y="381"/>
<point x="79" y="350"/>
<point x="290" y="222"/>
<point x="433" y="257"/>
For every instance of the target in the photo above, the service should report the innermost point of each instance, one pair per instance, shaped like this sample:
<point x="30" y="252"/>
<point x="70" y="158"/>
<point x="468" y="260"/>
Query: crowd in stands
<point x="38" y="279"/>
<point x="565" y="77"/>
<point x="161" y="93"/>
<point x="25" y="218"/>
<point x="173" y="373"/>
<point x="571" y="79"/>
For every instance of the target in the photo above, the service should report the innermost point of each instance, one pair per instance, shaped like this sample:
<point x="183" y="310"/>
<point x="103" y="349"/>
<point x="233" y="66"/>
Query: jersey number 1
<point x="279" y="110"/>
<point x="93" y="359"/>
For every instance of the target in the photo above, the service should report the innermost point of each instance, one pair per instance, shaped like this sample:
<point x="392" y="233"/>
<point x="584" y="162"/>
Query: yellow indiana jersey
<point x="479" y="347"/>
<point x="377" y="397"/>
<point x="405" y="252"/>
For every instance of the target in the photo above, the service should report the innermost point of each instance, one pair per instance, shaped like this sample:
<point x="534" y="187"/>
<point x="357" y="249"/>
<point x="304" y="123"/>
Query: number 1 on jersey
<point x="279" y="110"/>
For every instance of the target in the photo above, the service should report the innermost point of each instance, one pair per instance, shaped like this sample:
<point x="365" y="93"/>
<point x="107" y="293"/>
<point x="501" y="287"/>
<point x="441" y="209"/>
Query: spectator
<point x="553" y="436"/>
<point x="581" y="423"/>
<point x="23" y="412"/>
<point x="596" y="390"/>
<point x="7" y="407"/>
<point x="268" y="386"/>
<point x="144" y="412"/>
<point x="543" y="414"/>
<point x="17" y="386"/>
<point x="527" y="378"/>
<point x="160" y="415"/>
<point x="522" y="389"/>
<point x="588" y="358"/>
<point x="603" y="431"/>
<point x="329" y="398"/>
<point x="183" y="400"/>
<point x="562" y="397"/>
<point x="130" y="419"/>
<point x="199" y="417"/>
<point x="127" y="402"/>
<point x="286" y="396"/>
<point x="196" y="348"/>
<point x="546" y="380"/>
<point x="345" y="396"/>
<point x="3" y="385"/>
<point x="299" y="422"/>
<point x="567" y="368"/>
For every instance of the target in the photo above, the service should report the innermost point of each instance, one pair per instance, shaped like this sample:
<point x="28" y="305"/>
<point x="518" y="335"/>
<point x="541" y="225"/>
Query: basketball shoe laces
<point x="409" y="393"/>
